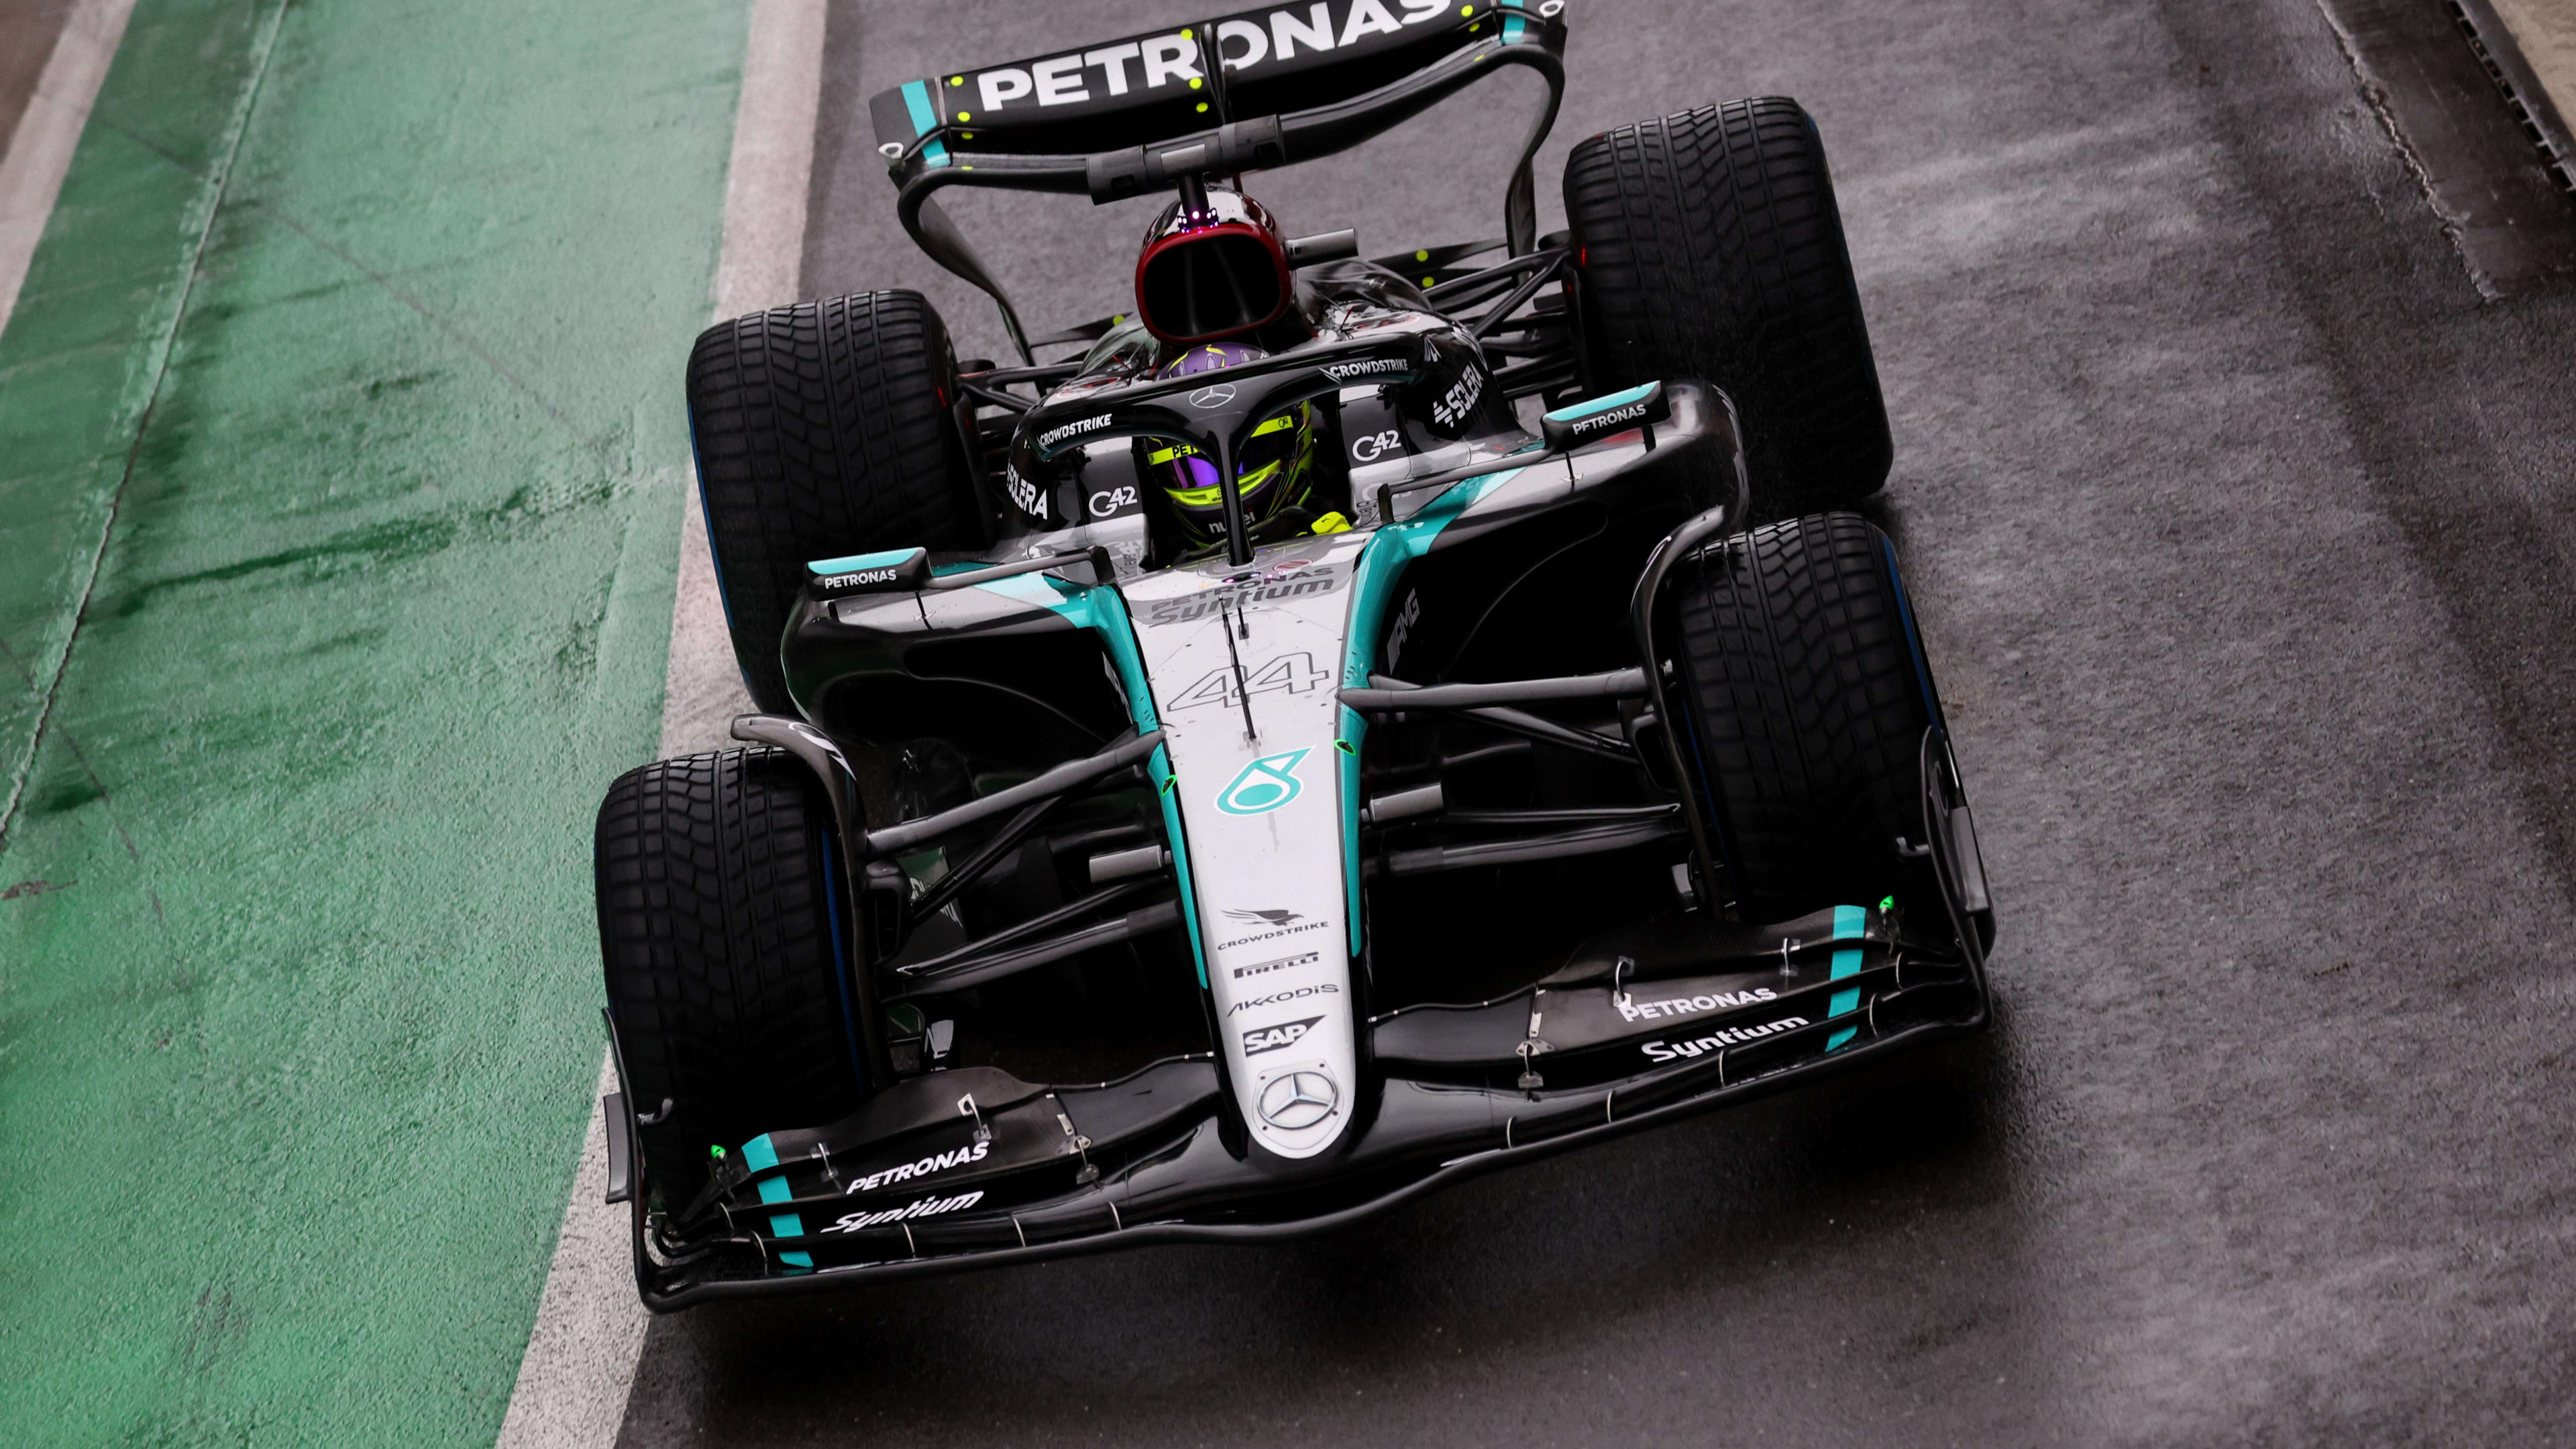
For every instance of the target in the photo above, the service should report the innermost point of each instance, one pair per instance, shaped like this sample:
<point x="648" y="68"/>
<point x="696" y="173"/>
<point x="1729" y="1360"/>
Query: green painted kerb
<point x="388" y="307"/>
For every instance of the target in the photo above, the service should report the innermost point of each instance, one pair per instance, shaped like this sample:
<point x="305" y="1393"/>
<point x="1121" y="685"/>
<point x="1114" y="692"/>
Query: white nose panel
<point x="1260" y="803"/>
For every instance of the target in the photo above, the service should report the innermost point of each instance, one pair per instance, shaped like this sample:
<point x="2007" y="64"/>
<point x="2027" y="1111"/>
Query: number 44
<point x="1295" y="672"/>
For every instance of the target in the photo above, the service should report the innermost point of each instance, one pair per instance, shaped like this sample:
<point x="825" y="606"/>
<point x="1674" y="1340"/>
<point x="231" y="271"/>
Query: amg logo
<point x="1661" y="1052"/>
<point x="935" y="1162"/>
<point x="1053" y="436"/>
<point x="1271" y="1038"/>
<point x="1635" y="1010"/>
<point x="927" y="1207"/>
<point x="856" y="579"/>
<point x="1282" y="964"/>
<point x="1373" y="367"/>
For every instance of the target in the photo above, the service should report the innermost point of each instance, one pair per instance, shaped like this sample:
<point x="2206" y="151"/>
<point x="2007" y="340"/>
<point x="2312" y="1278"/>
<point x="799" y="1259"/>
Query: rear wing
<point x="1136" y="115"/>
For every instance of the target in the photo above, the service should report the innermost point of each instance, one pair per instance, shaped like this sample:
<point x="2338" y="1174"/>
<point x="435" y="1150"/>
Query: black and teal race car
<point x="1327" y="728"/>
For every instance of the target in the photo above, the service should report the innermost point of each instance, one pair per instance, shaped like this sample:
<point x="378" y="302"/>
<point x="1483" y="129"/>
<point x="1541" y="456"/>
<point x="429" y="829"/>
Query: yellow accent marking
<point x="957" y="80"/>
<point x="965" y="135"/>
<point x="1194" y="82"/>
<point x="1427" y="282"/>
<point x="1185" y="32"/>
<point x="1466" y="9"/>
<point x="1275" y="424"/>
<point x="1202" y="105"/>
<point x="1472" y="29"/>
<point x="1195" y="497"/>
<point x="965" y="115"/>
<point x="1331" y="523"/>
<point x="1422" y="256"/>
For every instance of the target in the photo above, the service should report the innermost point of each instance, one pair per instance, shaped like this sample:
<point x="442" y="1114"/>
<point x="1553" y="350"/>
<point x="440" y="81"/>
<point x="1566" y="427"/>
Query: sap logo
<point x="1635" y="1010"/>
<point x="1275" y="998"/>
<point x="1150" y="63"/>
<point x="1373" y="367"/>
<point x="1271" y="1038"/>
<point x="1282" y="964"/>
<point x="1053" y="436"/>
<point x="904" y="1172"/>
<point x="1661" y="1052"/>
<point x="927" y="1207"/>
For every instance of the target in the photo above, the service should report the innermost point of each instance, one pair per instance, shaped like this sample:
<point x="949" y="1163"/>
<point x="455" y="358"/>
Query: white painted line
<point x="580" y="1362"/>
<point x="31" y="175"/>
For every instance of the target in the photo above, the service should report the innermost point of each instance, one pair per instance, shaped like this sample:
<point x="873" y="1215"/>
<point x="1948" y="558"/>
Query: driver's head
<point x="1276" y="465"/>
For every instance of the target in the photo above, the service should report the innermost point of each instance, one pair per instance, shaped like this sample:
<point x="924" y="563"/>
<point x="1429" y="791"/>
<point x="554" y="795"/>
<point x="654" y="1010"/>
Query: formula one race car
<point x="1336" y="730"/>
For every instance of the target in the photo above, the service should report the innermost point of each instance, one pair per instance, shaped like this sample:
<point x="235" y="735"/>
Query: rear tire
<point x="1808" y="702"/>
<point x="1711" y="248"/>
<point x="723" y="958"/>
<point x="822" y="429"/>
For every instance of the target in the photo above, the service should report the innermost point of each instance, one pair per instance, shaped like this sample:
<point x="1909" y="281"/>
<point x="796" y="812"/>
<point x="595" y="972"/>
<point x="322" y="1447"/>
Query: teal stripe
<point x="760" y="1156"/>
<point x="1846" y="963"/>
<point x="885" y="559"/>
<point x="916" y="99"/>
<point x="1381" y="566"/>
<point x="1620" y="399"/>
<point x="1851" y="923"/>
<point x="1081" y="607"/>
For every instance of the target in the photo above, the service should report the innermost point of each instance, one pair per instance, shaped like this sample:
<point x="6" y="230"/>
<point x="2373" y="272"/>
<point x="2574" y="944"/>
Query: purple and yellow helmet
<point x="1273" y="472"/>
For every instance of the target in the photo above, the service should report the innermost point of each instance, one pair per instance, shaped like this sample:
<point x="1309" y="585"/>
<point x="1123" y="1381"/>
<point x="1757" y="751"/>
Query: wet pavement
<point x="2238" y="526"/>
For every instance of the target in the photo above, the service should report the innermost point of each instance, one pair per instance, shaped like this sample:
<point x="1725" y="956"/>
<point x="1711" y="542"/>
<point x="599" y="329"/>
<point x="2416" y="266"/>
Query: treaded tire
<point x="1808" y="704"/>
<point x="822" y="429"/>
<point x="716" y="932"/>
<point x="1711" y="248"/>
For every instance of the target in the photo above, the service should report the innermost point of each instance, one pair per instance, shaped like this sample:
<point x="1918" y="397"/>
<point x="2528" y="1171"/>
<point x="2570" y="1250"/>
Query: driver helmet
<point x="1273" y="472"/>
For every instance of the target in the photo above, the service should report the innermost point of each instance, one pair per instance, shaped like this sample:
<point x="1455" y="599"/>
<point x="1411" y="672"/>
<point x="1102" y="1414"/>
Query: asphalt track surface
<point x="2240" y="530"/>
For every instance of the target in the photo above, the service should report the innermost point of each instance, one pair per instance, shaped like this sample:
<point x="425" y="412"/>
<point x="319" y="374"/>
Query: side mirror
<point x="1576" y="424"/>
<point x="867" y="573"/>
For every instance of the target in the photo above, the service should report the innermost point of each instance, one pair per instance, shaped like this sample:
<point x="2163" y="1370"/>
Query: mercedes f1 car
<point x="1339" y="726"/>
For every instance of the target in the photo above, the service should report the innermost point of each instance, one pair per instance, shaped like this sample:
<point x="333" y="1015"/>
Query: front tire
<point x="1808" y="700"/>
<point x="724" y="958"/>
<point x="1711" y="247"/>
<point x="822" y="430"/>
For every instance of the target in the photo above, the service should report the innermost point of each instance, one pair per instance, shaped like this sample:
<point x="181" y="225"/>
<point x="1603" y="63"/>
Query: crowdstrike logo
<point x="1053" y="436"/>
<point x="904" y="1172"/>
<point x="1635" y="1010"/>
<point x="1373" y="367"/>
<point x="1724" y="1037"/>
<point x="927" y="1207"/>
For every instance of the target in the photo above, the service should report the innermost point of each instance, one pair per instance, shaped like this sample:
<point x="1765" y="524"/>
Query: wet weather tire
<point x="1710" y="247"/>
<point x="822" y="430"/>
<point x="1808" y="704"/>
<point x="717" y="933"/>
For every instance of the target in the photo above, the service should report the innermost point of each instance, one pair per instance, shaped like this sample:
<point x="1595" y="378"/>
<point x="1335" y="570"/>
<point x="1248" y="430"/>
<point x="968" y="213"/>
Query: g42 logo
<point x="1265" y="785"/>
<point x="1369" y="447"/>
<point x="1110" y="502"/>
<point x="1295" y="673"/>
